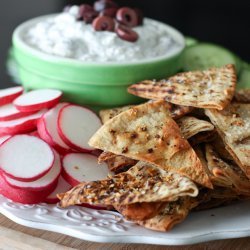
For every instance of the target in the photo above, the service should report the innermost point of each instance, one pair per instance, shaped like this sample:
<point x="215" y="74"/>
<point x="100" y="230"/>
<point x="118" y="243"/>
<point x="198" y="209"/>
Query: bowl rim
<point x="20" y="44"/>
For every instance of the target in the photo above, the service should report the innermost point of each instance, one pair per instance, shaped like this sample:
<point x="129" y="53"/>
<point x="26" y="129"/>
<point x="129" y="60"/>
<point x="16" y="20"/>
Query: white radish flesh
<point x="76" y="125"/>
<point x="43" y="182"/>
<point x="10" y="94"/>
<point x="37" y="99"/>
<point x="62" y="187"/>
<point x="25" y="157"/>
<point x="10" y="112"/>
<point x="21" y="125"/>
<point x="50" y="122"/>
<point x="79" y="167"/>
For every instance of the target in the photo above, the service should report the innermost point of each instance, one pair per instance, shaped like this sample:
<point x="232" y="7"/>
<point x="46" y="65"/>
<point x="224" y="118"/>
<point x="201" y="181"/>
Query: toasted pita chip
<point x="213" y="88"/>
<point x="108" y="114"/>
<point x="148" y="133"/>
<point x="226" y="175"/>
<point x="174" y="213"/>
<point x="242" y="95"/>
<point x="191" y="126"/>
<point x="233" y="125"/>
<point x="141" y="211"/>
<point x="142" y="183"/>
<point x="116" y="163"/>
<point x="176" y="111"/>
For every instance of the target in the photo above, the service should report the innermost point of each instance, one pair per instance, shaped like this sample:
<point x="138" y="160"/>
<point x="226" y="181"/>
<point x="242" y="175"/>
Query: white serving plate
<point x="232" y="221"/>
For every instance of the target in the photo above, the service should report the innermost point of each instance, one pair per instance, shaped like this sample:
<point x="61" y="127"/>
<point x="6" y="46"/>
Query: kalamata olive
<point x="103" y="23"/>
<point x="125" y="33"/>
<point x="139" y="16"/>
<point x="87" y="13"/>
<point x="104" y="4"/>
<point x="83" y="9"/>
<point x="127" y="16"/>
<point x="111" y="12"/>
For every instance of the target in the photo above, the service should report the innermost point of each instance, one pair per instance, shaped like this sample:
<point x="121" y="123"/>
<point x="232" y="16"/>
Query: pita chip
<point x="141" y="211"/>
<point x="191" y="126"/>
<point x="148" y="133"/>
<point x="226" y="175"/>
<point x="108" y="114"/>
<point x="233" y="125"/>
<point x="116" y="163"/>
<point x="213" y="88"/>
<point x="173" y="213"/>
<point x="176" y="111"/>
<point x="141" y="183"/>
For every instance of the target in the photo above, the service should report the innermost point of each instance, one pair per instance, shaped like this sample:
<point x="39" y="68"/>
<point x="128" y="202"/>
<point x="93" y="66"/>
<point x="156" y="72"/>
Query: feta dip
<point x="65" y="36"/>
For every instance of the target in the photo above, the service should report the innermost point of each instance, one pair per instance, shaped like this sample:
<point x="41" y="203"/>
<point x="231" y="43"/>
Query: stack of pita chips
<point x="188" y="148"/>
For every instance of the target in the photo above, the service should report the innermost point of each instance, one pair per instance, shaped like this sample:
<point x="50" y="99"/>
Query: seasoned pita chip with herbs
<point x="173" y="213"/>
<point x="176" y="111"/>
<point x="142" y="183"/>
<point x="213" y="88"/>
<point x="148" y="133"/>
<point x="191" y="126"/>
<point x="233" y="125"/>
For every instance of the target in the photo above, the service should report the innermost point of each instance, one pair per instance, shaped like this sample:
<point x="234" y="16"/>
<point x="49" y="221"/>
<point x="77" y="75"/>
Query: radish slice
<point x="41" y="183"/>
<point x="24" y="196"/>
<point x="38" y="99"/>
<point x="10" y="94"/>
<point x="25" y="157"/>
<point x="9" y="112"/>
<point x="78" y="167"/>
<point x="21" y="125"/>
<point x="4" y="138"/>
<point x="76" y="125"/>
<point x="62" y="187"/>
<point x="48" y="130"/>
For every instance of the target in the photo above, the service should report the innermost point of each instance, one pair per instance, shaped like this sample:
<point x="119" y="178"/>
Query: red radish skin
<point x="62" y="187"/>
<point x="10" y="112"/>
<point x="26" y="158"/>
<point x="76" y="125"/>
<point x="80" y="167"/>
<point x="34" y="133"/>
<point x="38" y="99"/>
<point x="49" y="128"/>
<point x="21" y="125"/>
<point x="10" y="94"/>
<point x="24" y="196"/>
<point x="42" y="183"/>
<point x="43" y="132"/>
<point x="4" y="138"/>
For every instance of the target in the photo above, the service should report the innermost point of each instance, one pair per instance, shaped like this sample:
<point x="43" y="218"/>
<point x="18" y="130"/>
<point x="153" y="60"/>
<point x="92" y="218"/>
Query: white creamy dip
<point x="62" y="35"/>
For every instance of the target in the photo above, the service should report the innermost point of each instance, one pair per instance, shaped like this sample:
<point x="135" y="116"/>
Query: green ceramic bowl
<point x="92" y="84"/>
